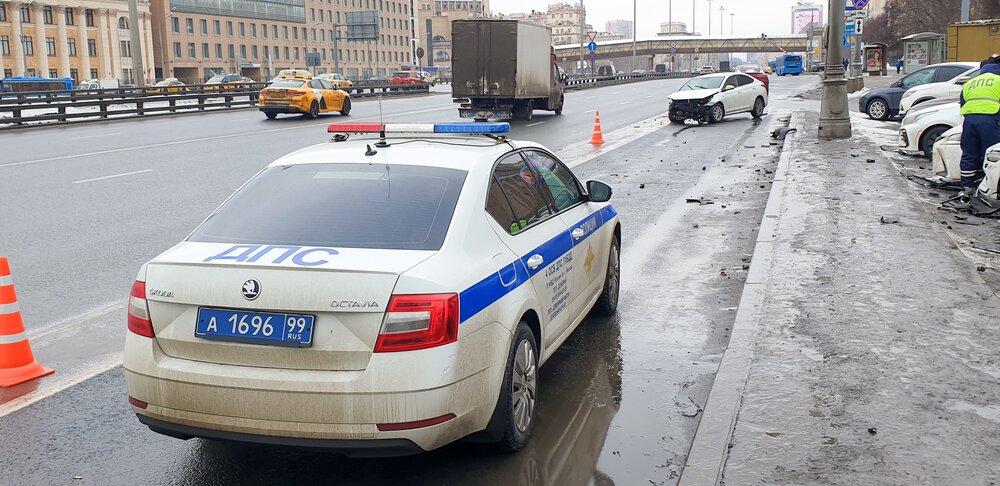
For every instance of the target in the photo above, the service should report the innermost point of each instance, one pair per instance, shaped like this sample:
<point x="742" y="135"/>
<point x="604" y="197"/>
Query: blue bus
<point x="788" y="64"/>
<point x="26" y="84"/>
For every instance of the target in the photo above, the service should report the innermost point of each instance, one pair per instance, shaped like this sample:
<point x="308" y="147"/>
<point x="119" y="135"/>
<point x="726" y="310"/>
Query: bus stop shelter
<point x="924" y="49"/>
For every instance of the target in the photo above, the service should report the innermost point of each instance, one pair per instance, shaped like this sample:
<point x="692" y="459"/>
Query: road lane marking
<point x="533" y="124"/>
<point x="96" y="136"/>
<point x="623" y="103"/>
<point x="57" y="383"/>
<point x="208" y="139"/>
<point x="74" y="321"/>
<point x="574" y="155"/>
<point x="112" y="176"/>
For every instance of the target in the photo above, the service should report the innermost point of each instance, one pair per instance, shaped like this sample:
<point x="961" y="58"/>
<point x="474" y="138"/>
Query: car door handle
<point x="578" y="233"/>
<point x="535" y="261"/>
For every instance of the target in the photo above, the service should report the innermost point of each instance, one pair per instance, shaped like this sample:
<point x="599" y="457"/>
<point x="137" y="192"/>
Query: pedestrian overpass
<point x="684" y="45"/>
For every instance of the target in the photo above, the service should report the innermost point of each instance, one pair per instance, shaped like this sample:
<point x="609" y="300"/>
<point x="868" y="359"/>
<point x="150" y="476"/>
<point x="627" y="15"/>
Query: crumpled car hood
<point x="694" y="94"/>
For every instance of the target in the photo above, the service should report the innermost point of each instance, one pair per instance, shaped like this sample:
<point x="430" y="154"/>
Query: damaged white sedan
<point x="709" y="98"/>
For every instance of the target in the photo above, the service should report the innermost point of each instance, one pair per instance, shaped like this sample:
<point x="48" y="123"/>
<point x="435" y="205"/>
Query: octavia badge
<point x="251" y="289"/>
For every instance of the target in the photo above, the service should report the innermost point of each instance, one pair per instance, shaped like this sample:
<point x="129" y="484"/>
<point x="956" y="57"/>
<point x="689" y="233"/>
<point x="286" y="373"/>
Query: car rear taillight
<point x="296" y="92"/>
<point x="415" y="322"/>
<point x="138" y="311"/>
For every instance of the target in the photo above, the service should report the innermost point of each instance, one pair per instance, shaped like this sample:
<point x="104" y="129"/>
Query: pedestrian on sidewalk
<point x="980" y="102"/>
<point x="846" y="63"/>
<point x="899" y="65"/>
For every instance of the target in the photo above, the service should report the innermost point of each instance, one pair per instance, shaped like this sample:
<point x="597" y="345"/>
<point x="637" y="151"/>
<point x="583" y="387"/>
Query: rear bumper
<point x="328" y="409"/>
<point x="349" y="448"/>
<point x="278" y="107"/>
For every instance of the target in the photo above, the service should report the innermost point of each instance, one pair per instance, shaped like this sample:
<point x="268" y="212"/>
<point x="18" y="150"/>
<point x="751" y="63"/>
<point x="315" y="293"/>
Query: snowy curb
<point x="710" y="447"/>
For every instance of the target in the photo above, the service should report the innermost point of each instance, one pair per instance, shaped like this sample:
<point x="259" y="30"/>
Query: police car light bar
<point x="455" y="127"/>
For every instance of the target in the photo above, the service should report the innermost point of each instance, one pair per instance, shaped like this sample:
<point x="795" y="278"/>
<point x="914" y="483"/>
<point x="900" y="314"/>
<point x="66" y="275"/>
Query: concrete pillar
<point x="41" y="53"/>
<point x="62" y="50"/>
<point x="82" y="52"/>
<point x="17" y="48"/>
<point x="103" y="50"/>
<point x="147" y="48"/>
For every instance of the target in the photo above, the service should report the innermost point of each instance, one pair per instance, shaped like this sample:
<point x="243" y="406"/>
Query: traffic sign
<point x="592" y="46"/>
<point x="859" y="4"/>
<point x="593" y="56"/>
<point x="673" y="50"/>
<point x="592" y="35"/>
<point x="859" y="26"/>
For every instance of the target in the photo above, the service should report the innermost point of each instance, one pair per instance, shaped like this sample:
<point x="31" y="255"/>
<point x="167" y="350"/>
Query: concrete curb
<point x="710" y="448"/>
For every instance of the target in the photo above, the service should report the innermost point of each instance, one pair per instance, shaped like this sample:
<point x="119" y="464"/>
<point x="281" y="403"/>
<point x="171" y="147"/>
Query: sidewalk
<point x="873" y="348"/>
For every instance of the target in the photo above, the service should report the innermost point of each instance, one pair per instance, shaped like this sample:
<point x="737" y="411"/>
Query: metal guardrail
<point x="44" y="108"/>
<point x="611" y="79"/>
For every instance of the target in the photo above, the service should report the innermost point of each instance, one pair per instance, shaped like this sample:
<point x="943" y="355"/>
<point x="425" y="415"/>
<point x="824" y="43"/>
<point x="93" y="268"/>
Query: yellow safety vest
<point x="982" y="95"/>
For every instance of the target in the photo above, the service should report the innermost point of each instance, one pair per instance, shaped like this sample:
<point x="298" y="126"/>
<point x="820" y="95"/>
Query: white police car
<point x="374" y="296"/>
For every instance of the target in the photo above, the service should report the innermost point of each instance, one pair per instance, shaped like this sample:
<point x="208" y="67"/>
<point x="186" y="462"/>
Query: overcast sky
<point x="752" y="16"/>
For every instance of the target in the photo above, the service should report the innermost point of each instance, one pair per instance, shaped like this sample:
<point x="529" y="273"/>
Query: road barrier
<point x="17" y="364"/>
<point x="19" y="110"/>
<point x="612" y="79"/>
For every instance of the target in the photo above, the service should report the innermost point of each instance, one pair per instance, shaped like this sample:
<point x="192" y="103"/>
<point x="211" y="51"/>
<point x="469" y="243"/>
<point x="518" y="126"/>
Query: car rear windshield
<point x="710" y="82"/>
<point x="287" y="83"/>
<point x="217" y="79"/>
<point x="402" y="207"/>
<point x="401" y="75"/>
<point x="749" y="68"/>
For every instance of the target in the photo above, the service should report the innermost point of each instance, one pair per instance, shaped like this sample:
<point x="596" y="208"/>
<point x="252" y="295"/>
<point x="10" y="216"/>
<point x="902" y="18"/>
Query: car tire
<point x="677" y="119"/>
<point x="313" y="111"/>
<point x="716" y="113"/>
<point x="930" y="136"/>
<point x="607" y="303"/>
<point x="558" y="110"/>
<point x="758" y="108"/>
<point x="877" y="109"/>
<point x="529" y="110"/>
<point x="270" y="115"/>
<point x="522" y="368"/>
<point x="345" y="110"/>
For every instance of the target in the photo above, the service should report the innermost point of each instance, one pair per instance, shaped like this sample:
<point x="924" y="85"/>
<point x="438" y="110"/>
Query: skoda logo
<point x="251" y="289"/>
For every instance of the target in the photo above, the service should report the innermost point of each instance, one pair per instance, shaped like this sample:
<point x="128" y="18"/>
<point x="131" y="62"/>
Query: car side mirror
<point x="728" y="87"/>
<point x="963" y="80"/>
<point x="598" y="191"/>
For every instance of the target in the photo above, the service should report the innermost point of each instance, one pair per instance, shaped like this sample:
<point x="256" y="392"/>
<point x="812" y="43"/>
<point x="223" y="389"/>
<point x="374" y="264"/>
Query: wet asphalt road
<point x="619" y="403"/>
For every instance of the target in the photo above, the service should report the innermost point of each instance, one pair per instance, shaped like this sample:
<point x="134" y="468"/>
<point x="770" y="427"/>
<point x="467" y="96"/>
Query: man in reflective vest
<point x="981" y="129"/>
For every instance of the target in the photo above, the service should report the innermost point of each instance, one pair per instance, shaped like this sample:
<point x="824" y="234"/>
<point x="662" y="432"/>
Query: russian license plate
<point x="274" y="329"/>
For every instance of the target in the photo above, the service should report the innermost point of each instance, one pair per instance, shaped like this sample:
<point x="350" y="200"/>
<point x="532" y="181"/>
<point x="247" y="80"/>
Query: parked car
<point x="883" y="103"/>
<point x="756" y="72"/>
<point x="169" y="85"/>
<point x="308" y="97"/>
<point x="695" y="71"/>
<point x="818" y="67"/>
<point x="426" y="75"/>
<point x="947" y="156"/>
<point x="93" y="84"/>
<point x="379" y="79"/>
<point x="920" y="129"/>
<point x="710" y="97"/>
<point x="951" y="88"/>
<point x="406" y="77"/>
<point x="707" y="70"/>
<point x="337" y="79"/>
<point x="226" y="82"/>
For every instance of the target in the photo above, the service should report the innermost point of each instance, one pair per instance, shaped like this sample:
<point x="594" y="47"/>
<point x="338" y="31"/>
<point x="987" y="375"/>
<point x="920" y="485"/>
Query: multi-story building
<point x="78" y="39"/>
<point x="619" y="26"/>
<point x="197" y="39"/>
<point x="565" y="20"/>
<point x="434" y="28"/>
<point x="672" y="28"/>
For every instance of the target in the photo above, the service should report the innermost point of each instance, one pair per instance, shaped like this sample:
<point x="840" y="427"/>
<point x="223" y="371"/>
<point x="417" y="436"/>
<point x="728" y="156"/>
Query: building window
<point x="177" y="50"/>
<point x="218" y="51"/>
<point x="69" y="17"/>
<point x="189" y="24"/>
<point x="204" y="27"/>
<point x="253" y="30"/>
<point x="232" y="52"/>
<point x="255" y="53"/>
<point x="25" y="14"/>
<point x="71" y="47"/>
<point x="274" y="31"/>
<point x="88" y="17"/>
<point x="295" y="33"/>
<point x="243" y="30"/>
<point x="31" y="73"/>
<point x="175" y="24"/>
<point x="322" y="35"/>
<point x="92" y="47"/>
<point x="287" y="57"/>
<point x="4" y="45"/>
<point x="312" y="14"/>
<point x="296" y="52"/>
<point x="50" y="46"/>
<point x="122" y="23"/>
<point x="192" y="52"/>
<point x="8" y="73"/>
<point x="229" y="29"/>
<point x="126" y="48"/>
<point x="93" y="73"/>
<point x="47" y="15"/>
<point x="205" y="52"/>
<point x="53" y="73"/>
<point x="284" y="30"/>
<point x="217" y="26"/>
<point x="263" y="30"/>
<point x="243" y="51"/>
<point x="74" y="73"/>
<point x="275" y="55"/>
<point x="127" y="76"/>
<point x="3" y="12"/>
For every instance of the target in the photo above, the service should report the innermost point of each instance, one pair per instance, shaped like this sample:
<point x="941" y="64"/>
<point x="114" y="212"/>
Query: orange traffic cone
<point x="17" y="364"/>
<point x="597" y="139"/>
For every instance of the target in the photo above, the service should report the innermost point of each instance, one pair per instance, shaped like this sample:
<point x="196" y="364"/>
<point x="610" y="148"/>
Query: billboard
<point x="803" y="16"/>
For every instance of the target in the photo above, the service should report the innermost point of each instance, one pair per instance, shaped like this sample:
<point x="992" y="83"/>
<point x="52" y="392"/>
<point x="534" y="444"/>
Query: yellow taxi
<point x="337" y="80"/>
<point x="168" y="85"/>
<point x="309" y="97"/>
<point x="768" y="70"/>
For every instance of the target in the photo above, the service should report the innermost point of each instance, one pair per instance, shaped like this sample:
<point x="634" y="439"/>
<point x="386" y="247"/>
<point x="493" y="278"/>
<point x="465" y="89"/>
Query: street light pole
<point x="583" y="13"/>
<point x="138" y="72"/>
<point x="834" y="118"/>
<point x="709" y="17"/>
<point x="635" y="30"/>
<point x="965" y="10"/>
